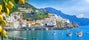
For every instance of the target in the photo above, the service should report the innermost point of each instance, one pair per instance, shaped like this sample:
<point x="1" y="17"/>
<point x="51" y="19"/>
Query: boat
<point x="79" y="34"/>
<point x="69" y="34"/>
<point x="47" y="29"/>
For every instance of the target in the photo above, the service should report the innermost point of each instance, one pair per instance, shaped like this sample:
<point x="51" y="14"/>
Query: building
<point x="48" y="22"/>
<point x="12" y="20"/>
<point x="65" y="20"/>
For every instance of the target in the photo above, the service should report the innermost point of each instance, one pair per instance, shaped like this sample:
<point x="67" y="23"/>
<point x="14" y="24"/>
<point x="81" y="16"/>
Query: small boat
<point x="79" y="34"/>
<point x="69" y="34"/>
<point x="47" y="29"/>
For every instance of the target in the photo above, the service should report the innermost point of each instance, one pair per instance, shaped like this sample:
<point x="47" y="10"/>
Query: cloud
<point x="80" y="16"/>
<point x="87" y="0"/>
<point x="79" y="8"/>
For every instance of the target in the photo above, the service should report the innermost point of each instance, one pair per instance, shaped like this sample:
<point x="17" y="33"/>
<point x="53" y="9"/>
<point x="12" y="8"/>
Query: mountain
<point x="72" y="18"/>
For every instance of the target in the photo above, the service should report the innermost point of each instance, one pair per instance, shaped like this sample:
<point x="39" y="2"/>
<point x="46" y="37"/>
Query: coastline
<point x="38" y="28"/>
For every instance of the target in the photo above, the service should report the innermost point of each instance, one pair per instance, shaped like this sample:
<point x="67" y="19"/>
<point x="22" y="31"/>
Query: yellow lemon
<point x="1" y="13"/>
<point x="0" y="8"/>
<point x="1" y="18"/>
<point x="22" y="1"/>
<point x="3" y="33"/>
<point x="4" y="24"/>
<point x="0" y="28"/>
<point x="7" y="11"/>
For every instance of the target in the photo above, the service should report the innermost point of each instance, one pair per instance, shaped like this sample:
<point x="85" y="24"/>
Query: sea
<point x="51" y="34"/>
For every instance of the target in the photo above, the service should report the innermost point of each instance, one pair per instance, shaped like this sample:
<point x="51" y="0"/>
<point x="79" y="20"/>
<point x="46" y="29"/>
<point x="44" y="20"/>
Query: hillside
<point x="26" y="5"/>
<point x="31" y="13"/>
<point x="72" y="18"/>
<point x="31" y="16"/>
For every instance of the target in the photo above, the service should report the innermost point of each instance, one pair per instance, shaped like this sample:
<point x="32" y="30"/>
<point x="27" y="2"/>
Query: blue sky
<point x="80" y="8"/>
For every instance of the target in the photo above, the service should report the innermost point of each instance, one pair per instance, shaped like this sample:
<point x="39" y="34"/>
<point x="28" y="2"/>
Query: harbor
<point x="49" y="34"/>
<point x="44" y="20"/>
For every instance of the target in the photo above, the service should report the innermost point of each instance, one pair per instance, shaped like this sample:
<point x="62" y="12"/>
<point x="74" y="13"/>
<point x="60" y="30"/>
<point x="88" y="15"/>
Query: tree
<point x="5" y="8"/>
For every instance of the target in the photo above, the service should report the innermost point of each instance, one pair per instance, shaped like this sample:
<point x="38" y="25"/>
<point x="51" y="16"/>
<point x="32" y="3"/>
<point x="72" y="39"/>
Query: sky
<point x="80" y="8"/>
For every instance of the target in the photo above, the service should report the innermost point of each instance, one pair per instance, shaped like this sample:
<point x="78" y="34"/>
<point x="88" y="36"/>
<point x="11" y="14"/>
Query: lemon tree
<point x="5" y="8"/>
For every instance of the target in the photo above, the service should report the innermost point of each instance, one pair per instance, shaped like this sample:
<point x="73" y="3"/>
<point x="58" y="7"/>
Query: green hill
<point x="35" y="13"/>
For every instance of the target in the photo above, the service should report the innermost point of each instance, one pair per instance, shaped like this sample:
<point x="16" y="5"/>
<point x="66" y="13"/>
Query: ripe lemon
<point x="3" y="33"/>
<point x="7" y="11"/>
<point x="0" y="8"/>
<point x="4" y="24"/>
<point x="22" y="1"/>
<point x="0" y="28"/>
<point x="1" y="13"/>
<point x="1" y="18"/>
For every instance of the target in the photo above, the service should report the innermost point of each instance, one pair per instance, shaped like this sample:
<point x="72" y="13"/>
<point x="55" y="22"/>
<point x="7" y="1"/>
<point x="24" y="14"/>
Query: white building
<point x="12" y="20"/>
<point x="49" y="22"/>
<point x="56" y="17"/>
<point x="65" y="20"/>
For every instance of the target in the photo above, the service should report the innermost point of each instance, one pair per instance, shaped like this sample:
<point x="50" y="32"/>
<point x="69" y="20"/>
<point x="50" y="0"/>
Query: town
<point x="51" y="21"/>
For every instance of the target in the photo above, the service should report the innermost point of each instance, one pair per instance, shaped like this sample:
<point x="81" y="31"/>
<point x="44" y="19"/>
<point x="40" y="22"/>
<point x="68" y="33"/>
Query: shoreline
<point x="38" y="28"/>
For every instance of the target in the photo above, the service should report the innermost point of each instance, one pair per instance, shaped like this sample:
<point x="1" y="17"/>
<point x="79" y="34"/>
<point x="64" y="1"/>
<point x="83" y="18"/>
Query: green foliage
<point x="34" y="15"/>
<point x="30" y="17"/>
<point x="26" y="5"/>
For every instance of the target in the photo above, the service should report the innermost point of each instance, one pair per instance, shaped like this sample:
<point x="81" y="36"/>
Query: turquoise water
<point x="52" y="34"/>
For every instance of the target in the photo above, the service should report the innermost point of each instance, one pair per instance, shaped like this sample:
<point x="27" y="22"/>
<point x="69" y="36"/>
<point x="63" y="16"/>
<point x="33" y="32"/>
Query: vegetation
<point x="34" y="15"/>
<point x="30" y="16"/>
<point x="59" y="23"/>
<point x="6" y="7"/>
<point x="26" y="5"/>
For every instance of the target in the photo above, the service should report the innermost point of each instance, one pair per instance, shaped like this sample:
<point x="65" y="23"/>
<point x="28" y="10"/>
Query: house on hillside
<point x="65" y="20"/>
<point x="23" y="23"/>
<point x="56" y="17"/>
<point x="35" y="23"/>
<point x="12" y="20"/>
<point x="49" y="23"/>
<point x="30" y="23"/>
